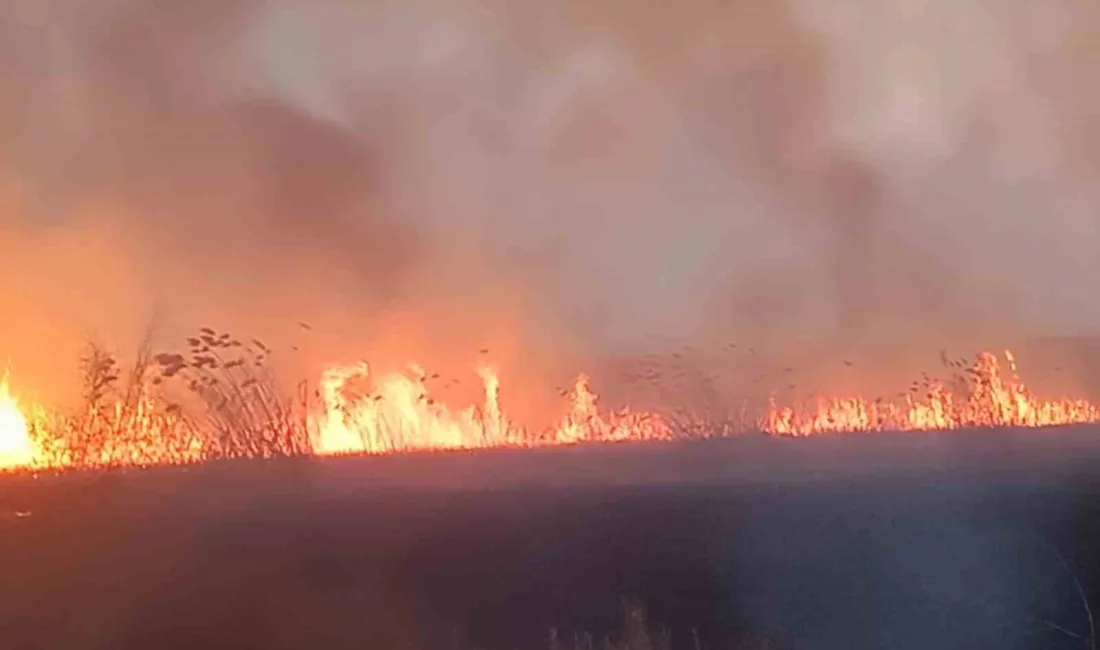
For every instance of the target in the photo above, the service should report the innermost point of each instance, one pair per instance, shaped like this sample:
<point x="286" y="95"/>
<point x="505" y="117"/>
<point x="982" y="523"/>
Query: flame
<point x="399" y="414"/>
<point x="16" y="447"/>
<point x="984" y="396"/>
<point x="134" y="433"/>
<point x="359" y="411"/>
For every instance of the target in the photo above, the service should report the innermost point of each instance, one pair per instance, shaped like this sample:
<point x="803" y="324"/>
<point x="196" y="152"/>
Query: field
<point x="574" y="326"/>
<point x="970" y="539"/>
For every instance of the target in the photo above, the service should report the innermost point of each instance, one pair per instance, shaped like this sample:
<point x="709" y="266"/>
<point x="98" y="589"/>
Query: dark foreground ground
<point x="900" y="541"/>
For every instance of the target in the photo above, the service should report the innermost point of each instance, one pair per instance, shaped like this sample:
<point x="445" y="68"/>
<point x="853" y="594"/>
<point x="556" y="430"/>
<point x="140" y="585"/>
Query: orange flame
<point x="399" y="414"/>
<point x="987" y="396"/>
<point x="16" y="448"/>
<point x="359" y="411"/>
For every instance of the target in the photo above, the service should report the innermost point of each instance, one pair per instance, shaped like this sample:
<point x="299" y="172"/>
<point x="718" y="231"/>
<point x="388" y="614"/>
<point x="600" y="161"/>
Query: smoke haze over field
<point x="421" y="179"/>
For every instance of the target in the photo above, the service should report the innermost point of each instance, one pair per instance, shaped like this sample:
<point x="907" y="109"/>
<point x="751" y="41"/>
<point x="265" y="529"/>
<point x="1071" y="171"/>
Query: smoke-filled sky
<point x="413" y="177"/>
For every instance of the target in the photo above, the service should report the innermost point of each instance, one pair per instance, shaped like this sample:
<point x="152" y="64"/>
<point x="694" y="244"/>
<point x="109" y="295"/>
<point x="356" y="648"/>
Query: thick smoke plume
<point x="423" y="179"/>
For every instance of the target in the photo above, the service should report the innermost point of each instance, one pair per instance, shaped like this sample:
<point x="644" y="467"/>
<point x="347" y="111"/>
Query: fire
<point x="398" y="413"/>
<point x="984" y="395"/>
<point x="16" y="448"/>
<point x="137" y="432"/>
<point x="359" y="411"/>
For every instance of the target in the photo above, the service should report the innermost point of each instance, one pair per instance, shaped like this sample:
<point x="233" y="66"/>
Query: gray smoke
<point x="593" y="174"/>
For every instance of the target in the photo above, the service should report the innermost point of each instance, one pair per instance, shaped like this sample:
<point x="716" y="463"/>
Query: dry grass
<point x="219" y="401"/>
<point x="236" y="399"/>
<point x="638" y="634"/>
<point x="121" y="420"/>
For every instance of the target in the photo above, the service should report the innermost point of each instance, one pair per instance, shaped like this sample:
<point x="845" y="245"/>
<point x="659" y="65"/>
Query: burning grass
<point x="979" y="394"/>
<point x="165" y="409"/>
<point x="239" y="403"/>
<point x="220" y="399"/>
<point x="397" y="414"/>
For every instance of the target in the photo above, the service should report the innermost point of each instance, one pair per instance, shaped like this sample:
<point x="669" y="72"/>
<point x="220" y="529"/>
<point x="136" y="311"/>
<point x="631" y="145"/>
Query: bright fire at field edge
<point x="396" y="413"/>
<point x="15" y="443"/>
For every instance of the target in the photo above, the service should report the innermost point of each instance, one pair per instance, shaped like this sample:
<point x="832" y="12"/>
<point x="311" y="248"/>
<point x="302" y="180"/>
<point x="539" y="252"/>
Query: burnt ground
<point x="889" y="541"/>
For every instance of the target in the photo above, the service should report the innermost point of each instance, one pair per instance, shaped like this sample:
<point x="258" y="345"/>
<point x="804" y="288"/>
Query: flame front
<point x="358" y="411"/>
<point x="398" y="413"/>
<point x="16" y="448"/>
<point x="985" y="396"/>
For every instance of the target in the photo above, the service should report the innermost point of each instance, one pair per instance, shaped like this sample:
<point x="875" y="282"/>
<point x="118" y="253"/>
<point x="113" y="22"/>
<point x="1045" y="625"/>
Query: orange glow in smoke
<point x="983" y="395"/>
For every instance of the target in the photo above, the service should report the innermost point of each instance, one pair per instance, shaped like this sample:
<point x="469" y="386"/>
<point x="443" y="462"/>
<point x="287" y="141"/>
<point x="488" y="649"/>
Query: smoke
<point x="973" y="118"/>
<point x="157" y="168"/>
<point x="435" y="178"/>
